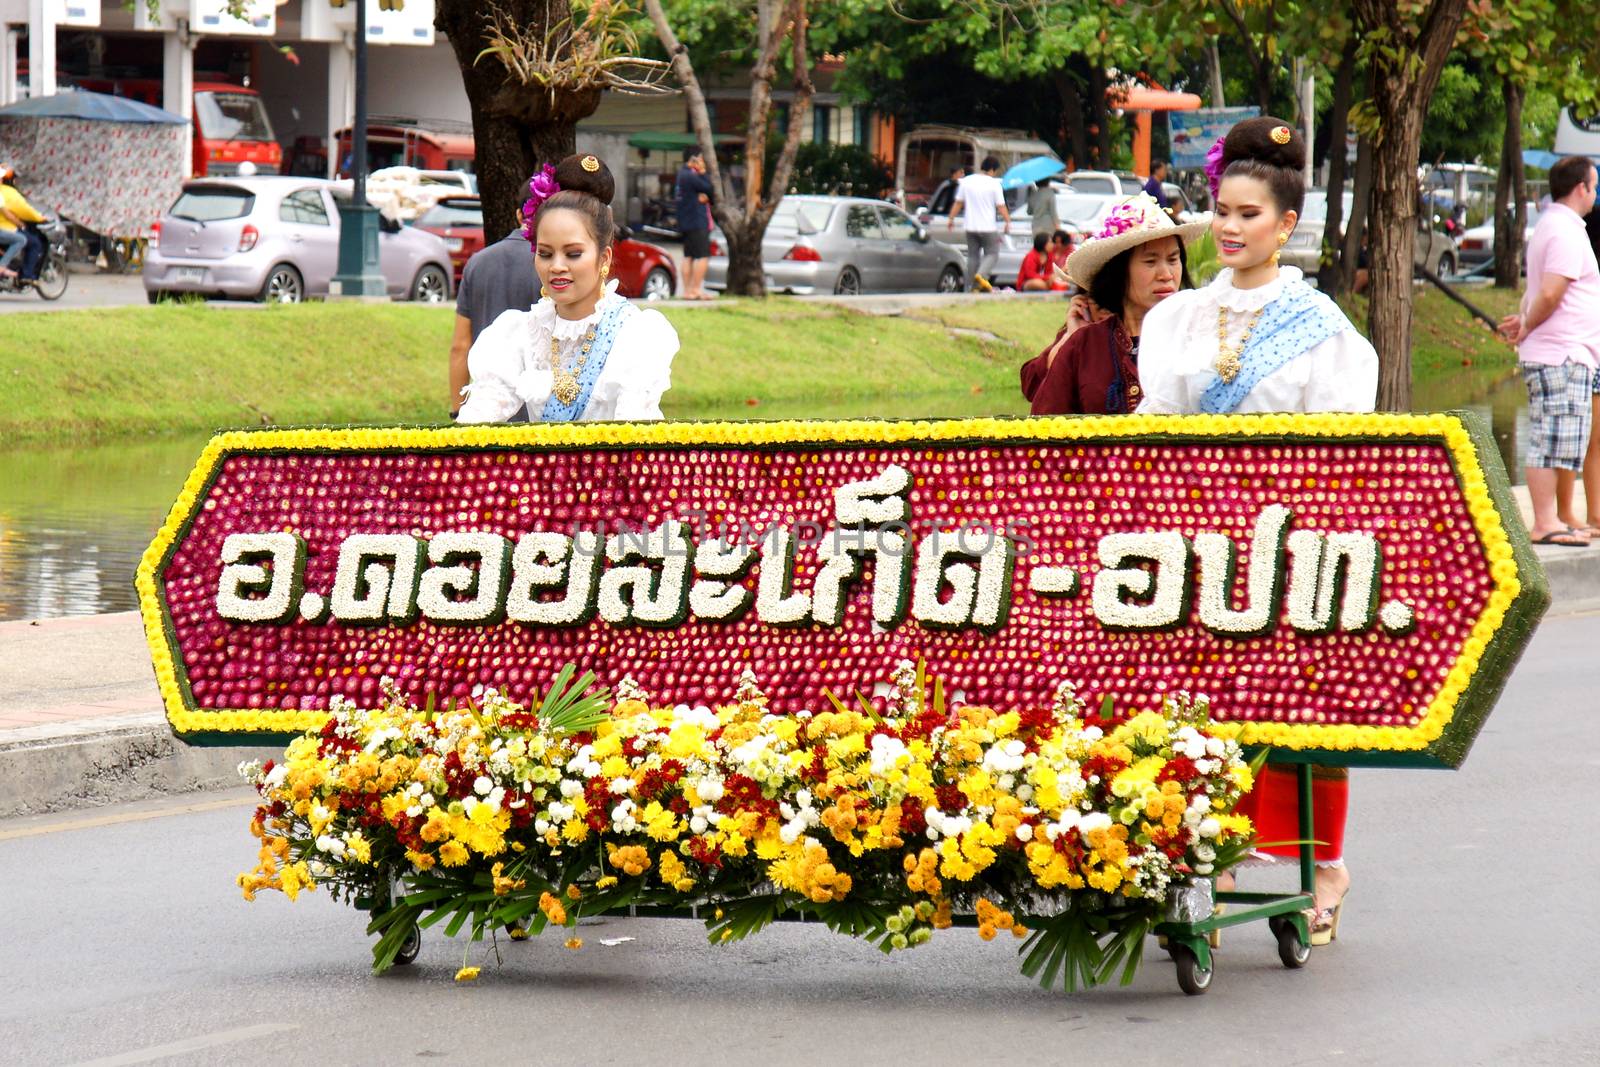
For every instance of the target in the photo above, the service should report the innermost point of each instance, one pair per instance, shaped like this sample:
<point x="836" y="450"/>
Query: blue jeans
<point x="12" y="242"/>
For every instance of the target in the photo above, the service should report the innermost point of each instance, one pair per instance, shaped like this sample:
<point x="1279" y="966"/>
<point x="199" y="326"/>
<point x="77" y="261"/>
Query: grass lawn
<point x="178" y="368"/>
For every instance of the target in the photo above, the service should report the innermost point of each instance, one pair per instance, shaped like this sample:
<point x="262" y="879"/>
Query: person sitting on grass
<point x="1034" y="276"/>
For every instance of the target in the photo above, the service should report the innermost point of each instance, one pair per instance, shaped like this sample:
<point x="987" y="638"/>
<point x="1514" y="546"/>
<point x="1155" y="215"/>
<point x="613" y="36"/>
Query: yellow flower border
<point x="1449" y="428"/>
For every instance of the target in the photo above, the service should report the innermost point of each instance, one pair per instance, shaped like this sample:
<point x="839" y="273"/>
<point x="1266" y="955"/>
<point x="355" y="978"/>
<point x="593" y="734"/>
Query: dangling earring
<point x="605" y="272"/>
<point x="544" y="293"/>
<point x="1283" y="239"/>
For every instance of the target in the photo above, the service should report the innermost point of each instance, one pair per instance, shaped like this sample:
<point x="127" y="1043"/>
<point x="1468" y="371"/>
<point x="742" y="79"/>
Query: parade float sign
<point x="1347" y="588"/>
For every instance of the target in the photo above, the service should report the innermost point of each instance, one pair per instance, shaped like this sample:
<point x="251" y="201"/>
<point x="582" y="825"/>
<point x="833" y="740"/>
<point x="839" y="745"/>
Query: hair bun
<point x="1265" y="140"/>
<point x="587" y="173"/>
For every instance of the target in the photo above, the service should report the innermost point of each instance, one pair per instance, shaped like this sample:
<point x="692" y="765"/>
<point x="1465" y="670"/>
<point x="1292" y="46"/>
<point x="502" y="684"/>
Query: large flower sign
<point x="1354" y="587"/>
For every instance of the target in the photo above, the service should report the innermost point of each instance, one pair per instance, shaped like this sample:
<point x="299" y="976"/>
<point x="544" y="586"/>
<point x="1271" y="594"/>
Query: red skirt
<point x="1273" y="805"/>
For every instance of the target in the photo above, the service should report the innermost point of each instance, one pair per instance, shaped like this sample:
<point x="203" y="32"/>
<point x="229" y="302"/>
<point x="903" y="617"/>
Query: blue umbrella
<point x="1031" y="170"/>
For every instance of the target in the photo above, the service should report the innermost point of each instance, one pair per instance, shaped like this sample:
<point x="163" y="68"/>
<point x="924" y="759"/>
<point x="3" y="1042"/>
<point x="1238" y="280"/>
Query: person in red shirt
<point x="1060" y="249"/>
<point x="1035" y="273"/>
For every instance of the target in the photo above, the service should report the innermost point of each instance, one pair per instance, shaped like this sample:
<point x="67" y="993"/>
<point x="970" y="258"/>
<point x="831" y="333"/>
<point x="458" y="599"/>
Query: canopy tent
<point x="109" y="164"/>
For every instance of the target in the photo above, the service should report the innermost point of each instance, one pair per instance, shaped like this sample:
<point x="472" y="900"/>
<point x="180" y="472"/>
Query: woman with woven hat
<point x="1260" y="339"/>
<point x="1134" y="262"/>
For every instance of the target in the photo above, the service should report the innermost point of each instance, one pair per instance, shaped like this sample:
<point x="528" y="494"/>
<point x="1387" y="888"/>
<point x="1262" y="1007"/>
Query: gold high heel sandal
<point x="1325" y="923"/>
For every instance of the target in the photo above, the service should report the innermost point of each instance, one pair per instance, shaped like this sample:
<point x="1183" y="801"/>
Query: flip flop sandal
<point x="1552" y="539"/>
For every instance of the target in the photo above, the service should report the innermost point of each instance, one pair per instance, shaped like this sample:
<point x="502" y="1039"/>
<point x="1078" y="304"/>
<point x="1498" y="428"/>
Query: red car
<point x="641" y="270"/>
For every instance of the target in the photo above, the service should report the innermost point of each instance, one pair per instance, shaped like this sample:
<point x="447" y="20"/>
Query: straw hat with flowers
<point x="1137" y="220"/>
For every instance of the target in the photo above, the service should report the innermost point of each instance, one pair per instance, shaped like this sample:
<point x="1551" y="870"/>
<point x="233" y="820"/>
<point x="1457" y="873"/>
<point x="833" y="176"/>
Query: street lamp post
<point x="359" y="276"/>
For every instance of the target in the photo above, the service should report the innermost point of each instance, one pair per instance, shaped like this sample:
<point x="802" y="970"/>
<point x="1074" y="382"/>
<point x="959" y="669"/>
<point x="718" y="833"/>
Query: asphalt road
<point x="84" y="290"/>
<point x="1470" y="938"/>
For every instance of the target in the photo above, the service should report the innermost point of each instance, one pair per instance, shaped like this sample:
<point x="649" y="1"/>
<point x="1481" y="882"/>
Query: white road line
<point x="191" y="1044"/>
<point x="131" y="816"/>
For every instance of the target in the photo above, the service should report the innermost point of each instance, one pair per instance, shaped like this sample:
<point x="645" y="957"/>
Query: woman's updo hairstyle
<point x="586" y="188"/>
<point x="1271" y="151"/>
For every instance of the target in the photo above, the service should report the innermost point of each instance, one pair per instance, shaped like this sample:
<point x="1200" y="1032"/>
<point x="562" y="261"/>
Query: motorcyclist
<point x="15" y="239"/>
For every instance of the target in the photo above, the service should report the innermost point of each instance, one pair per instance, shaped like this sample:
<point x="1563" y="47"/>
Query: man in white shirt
<point x="980" y="196"/>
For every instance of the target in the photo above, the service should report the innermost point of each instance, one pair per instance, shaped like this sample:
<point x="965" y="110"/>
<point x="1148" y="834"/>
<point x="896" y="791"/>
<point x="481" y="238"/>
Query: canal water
<point x="74" y="520"/>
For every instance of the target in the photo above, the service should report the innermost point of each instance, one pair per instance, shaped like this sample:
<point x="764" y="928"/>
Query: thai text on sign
<point x="1325" y="580"/>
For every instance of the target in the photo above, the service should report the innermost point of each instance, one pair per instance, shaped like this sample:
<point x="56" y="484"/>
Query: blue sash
<point x="605" y="333"/>
<point x="1297" y="320"/>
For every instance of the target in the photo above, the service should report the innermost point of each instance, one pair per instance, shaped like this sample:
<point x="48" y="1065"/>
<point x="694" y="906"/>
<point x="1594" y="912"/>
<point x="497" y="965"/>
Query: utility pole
<point x="359" y="276"/>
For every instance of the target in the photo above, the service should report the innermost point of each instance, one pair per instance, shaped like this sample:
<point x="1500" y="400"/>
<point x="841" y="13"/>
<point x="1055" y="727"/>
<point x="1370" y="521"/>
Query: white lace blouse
<point x="1178" y="352"/>
<point x="509" y="364"/>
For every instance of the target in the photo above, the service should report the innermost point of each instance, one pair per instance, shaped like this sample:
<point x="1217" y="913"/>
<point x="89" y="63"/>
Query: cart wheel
<point x="409" y="948"/>
<point x="1192" y="978"/>
<point x="1291" y="950"/>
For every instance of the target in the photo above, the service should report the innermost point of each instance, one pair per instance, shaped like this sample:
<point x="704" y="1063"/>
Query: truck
<point x="231" y="127"/>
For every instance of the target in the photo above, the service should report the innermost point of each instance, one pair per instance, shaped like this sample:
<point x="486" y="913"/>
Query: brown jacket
<point x="1095" y="373"/>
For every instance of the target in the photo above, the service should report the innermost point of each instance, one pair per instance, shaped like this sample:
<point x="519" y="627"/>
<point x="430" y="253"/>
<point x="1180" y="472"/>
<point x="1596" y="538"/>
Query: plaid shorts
<point x="1559" y="413"/>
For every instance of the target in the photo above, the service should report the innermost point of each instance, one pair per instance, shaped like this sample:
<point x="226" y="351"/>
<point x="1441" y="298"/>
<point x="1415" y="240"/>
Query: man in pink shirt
<point x="1557" y="334"/>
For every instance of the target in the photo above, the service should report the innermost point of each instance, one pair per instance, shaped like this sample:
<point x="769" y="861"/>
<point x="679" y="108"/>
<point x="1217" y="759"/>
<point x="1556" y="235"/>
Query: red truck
<point x="230" y="124"/>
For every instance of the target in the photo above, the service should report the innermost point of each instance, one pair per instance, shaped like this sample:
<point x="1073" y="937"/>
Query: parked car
<point x="844" y="244"/>
<point x="642" y="270"/>
<point x="277" y="239"/>
<point x="1477" y="244"/>
<point x="1433" y="249"/>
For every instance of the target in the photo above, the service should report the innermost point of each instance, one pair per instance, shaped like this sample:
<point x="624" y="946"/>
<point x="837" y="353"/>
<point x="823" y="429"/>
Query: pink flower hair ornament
<point x="541" y="187"/>
<point x="1214" y="166"/>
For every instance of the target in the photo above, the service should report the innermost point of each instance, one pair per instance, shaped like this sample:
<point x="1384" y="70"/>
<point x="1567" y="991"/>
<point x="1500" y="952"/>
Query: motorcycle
<point x="50" y="280"/>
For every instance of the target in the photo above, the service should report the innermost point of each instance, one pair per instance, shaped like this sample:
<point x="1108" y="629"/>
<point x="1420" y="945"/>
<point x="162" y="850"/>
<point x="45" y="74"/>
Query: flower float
<point x="1355" y="586"/>
<point x="1063" y="827"/>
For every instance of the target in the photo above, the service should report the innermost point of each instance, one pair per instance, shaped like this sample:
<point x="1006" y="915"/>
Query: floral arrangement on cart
<point x="888" y="820"/>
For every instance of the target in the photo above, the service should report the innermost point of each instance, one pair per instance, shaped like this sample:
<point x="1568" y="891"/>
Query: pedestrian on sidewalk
<point x="1558" y="349"/>
<point x="496" y="279"/>
<point x="1042" y="209"/>
<point x="944" y="196"/>
<point x="980" y="196"/>
<point x="693" y="195"/>
<point x="1152" y="185"/>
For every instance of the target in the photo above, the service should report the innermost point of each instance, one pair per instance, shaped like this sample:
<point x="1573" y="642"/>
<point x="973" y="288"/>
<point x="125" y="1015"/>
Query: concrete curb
<point x="100" y="763"/>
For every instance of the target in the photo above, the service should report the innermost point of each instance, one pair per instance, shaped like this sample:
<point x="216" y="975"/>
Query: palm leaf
<point x="741" y="918"/>
<point x="567" y="708"/>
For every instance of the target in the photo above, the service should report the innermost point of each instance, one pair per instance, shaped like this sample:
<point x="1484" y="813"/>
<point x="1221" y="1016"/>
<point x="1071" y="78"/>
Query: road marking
<point x="191" y="1044"/>
<point x="130" y="816"/>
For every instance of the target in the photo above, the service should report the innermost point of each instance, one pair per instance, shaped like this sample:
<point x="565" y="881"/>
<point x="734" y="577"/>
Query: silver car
<point x="842" y="244"/>
<point x="1433" y="248"/>
<point x="277" y="239"/>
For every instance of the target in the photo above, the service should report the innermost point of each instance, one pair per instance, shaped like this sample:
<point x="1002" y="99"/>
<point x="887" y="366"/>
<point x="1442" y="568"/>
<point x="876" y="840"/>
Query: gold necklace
<point x="565" y="385"/>
<point x="1228" y="356"/>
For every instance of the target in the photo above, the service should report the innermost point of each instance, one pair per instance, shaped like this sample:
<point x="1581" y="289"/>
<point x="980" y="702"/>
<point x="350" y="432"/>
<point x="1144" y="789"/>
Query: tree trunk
<point x="745" y="224"/>
<point x="1072" y="113"/>
<point x="1360" y="209"/>
<point x="1404" y="75"/>
<point x="1338" y="130"/>
<point x="1214" y="69"/>
<point x="516" y="128"/>
<point x="1510" y="195"/>
<point x="1102" y="116"/>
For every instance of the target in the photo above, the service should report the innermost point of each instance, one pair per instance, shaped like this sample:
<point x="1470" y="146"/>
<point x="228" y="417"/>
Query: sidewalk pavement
<point x="81" y="722"/>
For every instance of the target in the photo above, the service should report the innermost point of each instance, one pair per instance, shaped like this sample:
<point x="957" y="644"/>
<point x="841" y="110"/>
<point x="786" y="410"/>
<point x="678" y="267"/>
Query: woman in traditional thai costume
<point x="582" y="353"/>
<point x="1260" y="339"/>
<point x="1134" y="262"/>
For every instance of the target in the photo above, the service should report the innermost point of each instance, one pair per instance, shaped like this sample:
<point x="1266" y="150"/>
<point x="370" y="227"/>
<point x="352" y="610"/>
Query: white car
<point x="1477" y="244"/>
